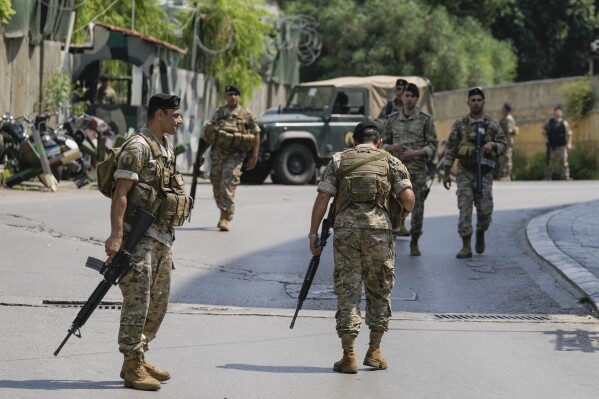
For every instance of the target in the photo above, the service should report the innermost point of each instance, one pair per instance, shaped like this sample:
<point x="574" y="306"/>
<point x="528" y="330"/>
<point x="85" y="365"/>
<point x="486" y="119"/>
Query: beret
<point x="232" y="89"/>
<point x="476" y="91"/>
<point x="401" y="82"/>
<point x="412" y="88"/>
<point x="507" y="106"/>
<point x="164" y="101"/>
<point x="364" y="126"/>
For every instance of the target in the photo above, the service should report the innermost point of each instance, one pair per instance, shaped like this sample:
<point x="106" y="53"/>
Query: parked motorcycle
<point x="21" y="158"/>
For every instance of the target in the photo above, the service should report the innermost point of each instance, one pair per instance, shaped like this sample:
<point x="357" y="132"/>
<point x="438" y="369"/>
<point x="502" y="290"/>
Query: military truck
<point x="318" y="120"/>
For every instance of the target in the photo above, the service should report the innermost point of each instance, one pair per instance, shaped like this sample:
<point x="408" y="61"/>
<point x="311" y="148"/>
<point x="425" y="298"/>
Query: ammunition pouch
<point x="169" y="204"/>
<point x="229" y="135"/>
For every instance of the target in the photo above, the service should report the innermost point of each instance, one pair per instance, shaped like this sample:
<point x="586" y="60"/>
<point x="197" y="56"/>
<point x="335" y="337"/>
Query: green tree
<point x="483" y="11"/>
<point x="552" y="37"/>
<point x="150" y="18"/>
<point x="6" y="11"/>
<point x="405" y="37"/>
<point x="231" y="37"/>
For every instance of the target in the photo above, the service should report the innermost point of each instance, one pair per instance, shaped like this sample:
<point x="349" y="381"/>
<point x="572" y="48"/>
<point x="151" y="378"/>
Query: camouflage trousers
<point x="145" y="296"/>
<point x="225" y="176"/>
<point x="418" y="179"/>
<point x="363" y="256"/>
<point x="466" y="182"/>
<point x="505" y="162"/>
<point x="558" y="160"/>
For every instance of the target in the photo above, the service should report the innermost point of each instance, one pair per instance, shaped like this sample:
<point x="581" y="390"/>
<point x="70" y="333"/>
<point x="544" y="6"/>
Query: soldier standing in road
<point x="145" y="168"/>
<point x="510" y="130"/>
<point x="461" y="144"/>
<point x="362" y="180"/>
<point x="392" y="106"/>
<point x="410" y="135"/>
<point x="558" y="138"/>
<point x="232" y="132"/>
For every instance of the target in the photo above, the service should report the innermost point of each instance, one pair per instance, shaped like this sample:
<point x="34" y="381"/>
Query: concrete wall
<point x="532" y="105"/>
<point x="22" y="73"/>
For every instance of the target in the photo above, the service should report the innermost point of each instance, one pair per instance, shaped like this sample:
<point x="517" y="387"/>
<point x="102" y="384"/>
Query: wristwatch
<point x="313" y="236"/>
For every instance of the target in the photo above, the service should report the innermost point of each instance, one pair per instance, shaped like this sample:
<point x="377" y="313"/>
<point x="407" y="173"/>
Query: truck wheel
<point x="294" y="164"/>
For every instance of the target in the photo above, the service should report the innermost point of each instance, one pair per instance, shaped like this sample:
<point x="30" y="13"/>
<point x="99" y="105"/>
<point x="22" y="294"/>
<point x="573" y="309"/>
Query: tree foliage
<point x="405" y="37"/>
<point x="6" y="11"/>
<point x="552" y="37"/>
<point x="231" y="37"/>
<point x="150" y="18"/>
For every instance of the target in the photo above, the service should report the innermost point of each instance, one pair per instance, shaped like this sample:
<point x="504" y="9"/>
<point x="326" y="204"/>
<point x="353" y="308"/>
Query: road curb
<point x="545" y="247"/>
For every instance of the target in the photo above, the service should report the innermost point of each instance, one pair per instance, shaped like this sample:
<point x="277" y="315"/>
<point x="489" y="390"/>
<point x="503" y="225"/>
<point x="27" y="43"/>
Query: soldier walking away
<point x="232" y="132"/>
<point x="461" y="144"/>
<point x="145" y="178"/>
<point x="558" y="138"/>
<point x="362" y="180"/>
<point x="410" y="135"/>
<point x="510" y="130"/>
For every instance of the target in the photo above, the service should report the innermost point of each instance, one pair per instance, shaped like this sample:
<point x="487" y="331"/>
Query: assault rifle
<point x="202" y="147"/>
<point x="327" y="223"/>
<point x="112" y="273"/>
<point x="480" y="160"/>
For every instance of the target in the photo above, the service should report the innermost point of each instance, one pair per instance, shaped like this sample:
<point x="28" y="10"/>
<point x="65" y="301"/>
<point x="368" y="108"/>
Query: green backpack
<point x="105" y="169"/>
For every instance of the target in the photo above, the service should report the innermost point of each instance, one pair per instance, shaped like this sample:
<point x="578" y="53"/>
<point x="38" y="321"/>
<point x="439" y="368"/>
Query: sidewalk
<point x="567" y="238"/>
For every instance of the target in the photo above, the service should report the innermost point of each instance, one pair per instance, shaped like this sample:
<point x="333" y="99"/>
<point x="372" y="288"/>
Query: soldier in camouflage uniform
<point x="410" y="135"/>
<point x="558" y="138"/>
<point x="362" y="180"/>
<point x="461" y="145"/>
<point x="146" y="287"/>
<point x="226" y="159"/>
<point x="395" y="104"/>
<point x="510" y="130"/>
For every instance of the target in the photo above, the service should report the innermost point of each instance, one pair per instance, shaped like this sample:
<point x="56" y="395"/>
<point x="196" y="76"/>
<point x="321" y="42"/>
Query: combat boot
<point x="223" y="223"/>
<point x="159" y="374"/>
<point x="466" y="251"/>
<point x="373" y="357"/>
<point x="136" y="376"/>
<point x="348" y="363"/>
<point x="480" y="241"/>
<point x="414" y="250"/>
<point x="399" y="228"/>
<point x="153" y="371"/>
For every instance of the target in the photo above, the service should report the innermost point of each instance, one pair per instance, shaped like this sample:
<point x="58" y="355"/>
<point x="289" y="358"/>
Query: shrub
<point x="583" y="165"/>
<point x="579" y="97"/>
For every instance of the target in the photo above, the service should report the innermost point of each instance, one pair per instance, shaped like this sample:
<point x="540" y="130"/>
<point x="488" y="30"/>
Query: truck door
<point x="348" y="109"/>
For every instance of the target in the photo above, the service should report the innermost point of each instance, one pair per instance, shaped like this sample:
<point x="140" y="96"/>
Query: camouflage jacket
<point x="416" y="131"/>
<point x="463" y="127"/>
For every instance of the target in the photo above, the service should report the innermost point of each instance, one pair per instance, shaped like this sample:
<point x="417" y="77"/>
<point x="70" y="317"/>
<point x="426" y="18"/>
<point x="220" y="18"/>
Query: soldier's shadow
<point x="277" y="369"/>
<point x="56" y="385"/>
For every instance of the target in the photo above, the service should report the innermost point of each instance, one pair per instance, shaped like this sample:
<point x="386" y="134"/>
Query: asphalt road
<point x="262" y="260"/>
<point x="227" y="332"/>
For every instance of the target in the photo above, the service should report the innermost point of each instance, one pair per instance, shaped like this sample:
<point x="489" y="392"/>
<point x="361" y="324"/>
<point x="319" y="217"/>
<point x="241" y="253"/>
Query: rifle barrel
<point x="64" y="341"/>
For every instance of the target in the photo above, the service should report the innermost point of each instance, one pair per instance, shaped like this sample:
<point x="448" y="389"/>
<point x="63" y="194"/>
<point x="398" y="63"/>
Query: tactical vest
<point x="556" y="133"/>
<point x="163" y="196"/>
<point x="363" y="178"/>
<point x="229" y="134"/>
<point x="467" y="143"/>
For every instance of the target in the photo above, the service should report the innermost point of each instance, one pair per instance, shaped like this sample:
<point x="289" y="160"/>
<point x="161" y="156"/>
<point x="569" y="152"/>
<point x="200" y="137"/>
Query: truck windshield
<point x="312" y="100"/>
